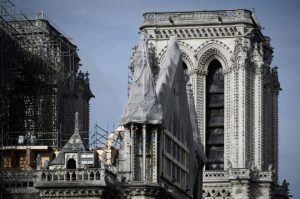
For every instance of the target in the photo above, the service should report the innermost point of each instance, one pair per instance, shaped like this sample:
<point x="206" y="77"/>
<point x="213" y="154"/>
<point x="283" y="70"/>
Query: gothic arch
<point x="187" y="52"/>
<point x="212" y="43"/>
<point x="209" y="55"/>
<point x="213" y="50"/>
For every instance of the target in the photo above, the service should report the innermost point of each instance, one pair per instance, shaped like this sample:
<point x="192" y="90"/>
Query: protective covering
<point x="196" y="134"/>
<point x="142" y="106"/>
<point x="172" y="95"/>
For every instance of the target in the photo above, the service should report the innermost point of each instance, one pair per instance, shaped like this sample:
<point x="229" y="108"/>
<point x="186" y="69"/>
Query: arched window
<point x="71" y="164"/>
<point x="215" y="116"/>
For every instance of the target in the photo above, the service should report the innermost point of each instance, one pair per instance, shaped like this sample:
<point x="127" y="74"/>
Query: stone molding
<point x="198" y="18"/>
<point x="235" y="174"/>
<point x="152" y="190"/>
<point x="195" y="33"/>
<point x="71" y="193"/>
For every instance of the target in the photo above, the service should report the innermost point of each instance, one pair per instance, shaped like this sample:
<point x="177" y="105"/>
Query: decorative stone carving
<point x="38" y="162"/>
<point x="208" y="55"/>
<point x="251" y="89"/>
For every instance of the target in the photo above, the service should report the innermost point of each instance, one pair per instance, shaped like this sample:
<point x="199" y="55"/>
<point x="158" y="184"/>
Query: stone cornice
<point x="195" y="32"/>
<point x="235" y="173"/>
<point x="198" y="18"/>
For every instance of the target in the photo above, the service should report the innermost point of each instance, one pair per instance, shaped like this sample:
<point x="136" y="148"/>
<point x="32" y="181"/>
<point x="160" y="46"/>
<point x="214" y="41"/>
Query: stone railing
<point x="239" y="173"/>
<point x="17" y="179"/>
<point x="89" y="175"/>
<point x="234" y="174"/>
<point x="197" y="17"/>
<point x="211" y="176"/>
<point x="263" y="176"/>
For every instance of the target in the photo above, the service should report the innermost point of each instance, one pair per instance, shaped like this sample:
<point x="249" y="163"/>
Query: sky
<point x="106" y="30"/>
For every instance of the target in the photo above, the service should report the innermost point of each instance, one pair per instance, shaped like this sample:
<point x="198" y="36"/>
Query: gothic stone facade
<point x="228" y="60"/>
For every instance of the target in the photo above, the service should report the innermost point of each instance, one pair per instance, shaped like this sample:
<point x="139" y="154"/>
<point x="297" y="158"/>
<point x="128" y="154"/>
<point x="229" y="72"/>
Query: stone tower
<point x="235" y="90"/>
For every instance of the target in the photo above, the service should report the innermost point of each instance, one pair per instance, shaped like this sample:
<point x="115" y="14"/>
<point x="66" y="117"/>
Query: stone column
<point x="234" y="117"/>
<point x="154" y="155"/>
<point x="275" y="130"/>
<point x="242" y="120"/>
<point x="198" y="80"/>
<point x="258" y="115"/>
<point x="197" y="96"/>
<point x="132" y="158"/>
<point x="227" y="116"/>
<point x="144" y="153"/>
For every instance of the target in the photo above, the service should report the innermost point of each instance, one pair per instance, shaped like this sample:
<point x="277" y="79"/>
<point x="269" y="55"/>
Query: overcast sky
<point x="106" y="30"/>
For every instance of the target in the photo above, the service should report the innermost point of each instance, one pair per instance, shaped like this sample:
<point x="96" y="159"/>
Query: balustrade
<point x="72" y="175"/>
<point x="264" y="176"/>
<point x="215" y="175"/>
<point x="19" y="179"/>
<point x="239" y="173"/>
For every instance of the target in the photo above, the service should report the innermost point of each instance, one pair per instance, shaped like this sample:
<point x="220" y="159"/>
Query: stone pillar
<point x="144" y="153"/>
<point x="154" y="155"/>
<point x="227" y="117"/>
<point x="258" y="115"/>
<point x="242" y="122"/>
<point x="235" y="118"/>
<point x="132" y="158"/>
<point x="198" y="80"/>
<point x="275" y="131"/>
<point x="193" y="75"/>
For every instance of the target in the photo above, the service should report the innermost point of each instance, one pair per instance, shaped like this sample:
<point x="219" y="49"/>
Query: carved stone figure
<point x="38" y="162"/>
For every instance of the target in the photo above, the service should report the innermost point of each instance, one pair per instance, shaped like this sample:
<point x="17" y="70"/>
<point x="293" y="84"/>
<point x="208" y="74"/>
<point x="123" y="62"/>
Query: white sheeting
<point x="172" y="95"/>
<point x="142" y="106"/>
<point x="166" y="105"/>
<point x="193" y="115"/>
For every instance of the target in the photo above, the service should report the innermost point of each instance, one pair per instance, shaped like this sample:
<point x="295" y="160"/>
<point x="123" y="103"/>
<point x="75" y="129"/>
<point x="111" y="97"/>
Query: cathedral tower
<point x="235" y="90"/>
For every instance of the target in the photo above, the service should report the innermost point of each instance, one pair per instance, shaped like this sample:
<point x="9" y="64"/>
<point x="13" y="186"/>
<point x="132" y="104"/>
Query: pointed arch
<point x="186" y="55"/>
<point x="211" y="50"/>
<point x="209" y="55"/>
<point x="214" y="141"/>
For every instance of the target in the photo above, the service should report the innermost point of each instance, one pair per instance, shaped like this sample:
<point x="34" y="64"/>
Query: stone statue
<point x="38" y="162"/>
<point x="46" y="164"/>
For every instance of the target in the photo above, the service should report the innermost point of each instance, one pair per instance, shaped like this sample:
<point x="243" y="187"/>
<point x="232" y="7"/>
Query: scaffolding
<point x="39" y="70"/>
<point x="100" y="138"/>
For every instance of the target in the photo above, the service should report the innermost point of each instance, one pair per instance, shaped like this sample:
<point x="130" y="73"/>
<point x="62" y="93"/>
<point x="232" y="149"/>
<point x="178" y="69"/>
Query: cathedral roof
<point x="74" y="145"/>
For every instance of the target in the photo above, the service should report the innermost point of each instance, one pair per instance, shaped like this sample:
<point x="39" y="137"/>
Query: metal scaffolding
<point x="99" y="138"/>
<point x="39" y="70"/>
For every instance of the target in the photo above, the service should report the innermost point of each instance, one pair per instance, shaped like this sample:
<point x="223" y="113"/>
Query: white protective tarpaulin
<point x="167" y="104"/>
<point x="142" y="106"/>
<point x="172" y="95"/>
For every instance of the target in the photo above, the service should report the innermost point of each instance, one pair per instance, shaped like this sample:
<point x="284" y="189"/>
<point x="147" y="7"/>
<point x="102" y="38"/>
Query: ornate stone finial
<point x="76" y="121"/>
<point x="46" y="164"/>
<point x="87" y="75"/>
<point x="285" y="184"/>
